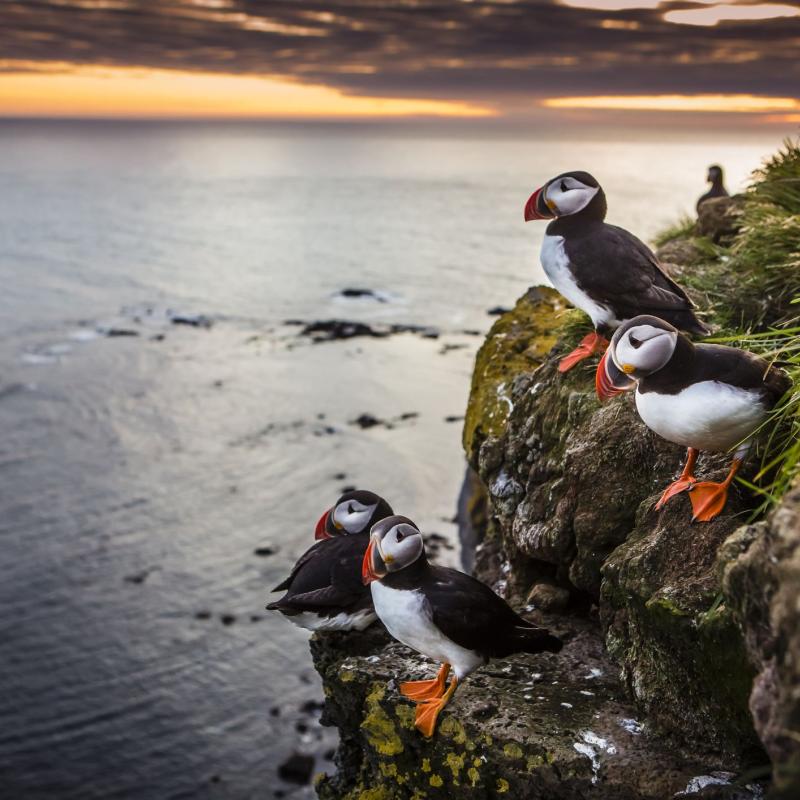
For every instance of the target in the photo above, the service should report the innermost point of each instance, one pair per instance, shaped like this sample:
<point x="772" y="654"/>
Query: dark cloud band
<point x="421" y="48"/>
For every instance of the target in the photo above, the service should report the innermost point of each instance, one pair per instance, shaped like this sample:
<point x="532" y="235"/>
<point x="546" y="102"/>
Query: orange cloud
<point x="731" y="103"/>
<point x="711" y="15"/>
<point x="63" y="90"/>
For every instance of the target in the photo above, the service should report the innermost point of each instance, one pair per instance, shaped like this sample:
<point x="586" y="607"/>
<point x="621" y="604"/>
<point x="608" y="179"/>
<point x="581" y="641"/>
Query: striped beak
<point x="321" y="531"/>
<point x="372" y="567"/>
<point x="610" y="380"/>
<point x="536" y="207"/>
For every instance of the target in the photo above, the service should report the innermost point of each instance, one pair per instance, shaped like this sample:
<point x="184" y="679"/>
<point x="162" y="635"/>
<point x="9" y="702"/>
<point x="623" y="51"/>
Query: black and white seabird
<point x="600" y="268"/>
<point x="717" y="189"/>
<point x="324" y="591"/>
<point x="441" y="613"/>
<point x="701" y="396"/>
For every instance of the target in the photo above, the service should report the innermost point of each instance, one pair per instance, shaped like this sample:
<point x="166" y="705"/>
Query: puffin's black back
<point x="695" y="363"/>
<point x="327" y="574"/>
<point x="618" y="270"/>
<point x="470" y="614"/>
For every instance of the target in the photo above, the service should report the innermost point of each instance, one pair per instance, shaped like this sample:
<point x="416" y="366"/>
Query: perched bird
<point x="441" y="613"/>
<point x="600" y="268"/>
<point x="701" y="396"/>
<point x="324" y="591"/>
<point x="717" y="189"/>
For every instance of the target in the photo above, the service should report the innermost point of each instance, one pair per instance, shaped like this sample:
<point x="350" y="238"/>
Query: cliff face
<point x="682" y="659"/>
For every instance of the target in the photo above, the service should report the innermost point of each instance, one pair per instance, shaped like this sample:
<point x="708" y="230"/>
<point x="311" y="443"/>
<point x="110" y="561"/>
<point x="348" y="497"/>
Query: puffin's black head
<point x="714" y="174"/>
<point x="353" y="512"/>
<point x="565" y="195"/>
<point x="394" y="543"/>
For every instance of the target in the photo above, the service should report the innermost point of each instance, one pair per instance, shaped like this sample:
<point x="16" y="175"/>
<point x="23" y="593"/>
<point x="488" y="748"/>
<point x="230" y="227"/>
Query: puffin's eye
<point x="635" y="343"/>
<point x="564" y="187"/>
<point x="399" y="536"/>
<point x="350" y="509"/>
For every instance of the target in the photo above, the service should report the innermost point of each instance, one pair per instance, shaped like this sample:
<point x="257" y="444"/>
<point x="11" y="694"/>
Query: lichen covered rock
<point x="537" y="727"/>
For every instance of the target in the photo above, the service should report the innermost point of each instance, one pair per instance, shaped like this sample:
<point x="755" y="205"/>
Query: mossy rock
<point x="540" y="727"/>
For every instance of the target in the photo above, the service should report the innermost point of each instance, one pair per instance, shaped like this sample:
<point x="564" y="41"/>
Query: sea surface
<point x="142" y="462"/>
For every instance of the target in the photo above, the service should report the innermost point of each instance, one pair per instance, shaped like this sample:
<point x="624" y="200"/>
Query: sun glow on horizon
<point x="702" y="103"/>
<point x="57" y="89"/>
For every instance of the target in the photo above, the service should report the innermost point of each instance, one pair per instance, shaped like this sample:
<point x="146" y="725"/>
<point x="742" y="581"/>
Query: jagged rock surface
<point x="536" y="727"/>
<point x="690" y="629"/>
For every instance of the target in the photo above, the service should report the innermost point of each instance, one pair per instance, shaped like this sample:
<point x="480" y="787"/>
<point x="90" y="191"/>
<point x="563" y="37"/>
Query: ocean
<point x="144" y="461"/>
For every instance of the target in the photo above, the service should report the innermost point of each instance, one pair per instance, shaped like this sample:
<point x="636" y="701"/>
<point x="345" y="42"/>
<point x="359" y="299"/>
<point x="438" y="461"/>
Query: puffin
<point x="324" y="591"/>
<point x="714" y="177"/>
<point x="441" y="613"/>
<point x="702" y="396"/>
<point x="600" y="268"/>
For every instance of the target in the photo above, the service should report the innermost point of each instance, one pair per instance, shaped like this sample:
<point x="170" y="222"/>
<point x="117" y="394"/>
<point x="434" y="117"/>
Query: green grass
<point x="682" y="229"/>
<point x="766" y="253"/>
<point x="780" y="463"/>
<point x="751" y="292"/>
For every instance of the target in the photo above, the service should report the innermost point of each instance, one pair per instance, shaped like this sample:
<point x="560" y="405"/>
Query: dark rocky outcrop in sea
<point x="680" y="674"/>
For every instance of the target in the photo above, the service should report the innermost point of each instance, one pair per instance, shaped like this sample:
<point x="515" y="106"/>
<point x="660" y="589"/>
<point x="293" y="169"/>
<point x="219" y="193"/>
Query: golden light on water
<point x="719" y="103"/>
<point x="65" y="90"/>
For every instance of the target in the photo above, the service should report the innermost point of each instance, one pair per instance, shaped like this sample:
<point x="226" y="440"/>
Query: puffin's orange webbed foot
<point x="426" y="690"/>
<point x="686" y="481"/>
<point x="676" y="487"/>
<point x="428" y="712"/>
<point x="590" y="344"/>
<point x="708" y="498"/>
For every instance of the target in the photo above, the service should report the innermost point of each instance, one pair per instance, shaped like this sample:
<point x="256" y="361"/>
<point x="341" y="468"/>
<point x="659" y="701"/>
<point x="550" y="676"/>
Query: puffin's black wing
<point x="622" y="271"/>
<point x="741" y="369"/>
<point x="470" y="614"/>
<point x="304" y="559"/>
<point x="327" y="574"/>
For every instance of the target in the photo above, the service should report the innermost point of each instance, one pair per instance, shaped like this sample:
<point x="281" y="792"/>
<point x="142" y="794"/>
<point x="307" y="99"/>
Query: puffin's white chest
<point x="556" y="266"/>
<point x="708" y="415"/>
<point x="407" y="616"/>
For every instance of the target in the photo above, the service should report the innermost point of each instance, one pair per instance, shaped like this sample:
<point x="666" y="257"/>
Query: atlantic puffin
<point x="441" y="613"/>
<point x="600" y="268"/>
<point x="714" y="177"/>
<point x="324" y="591"/>
<point x="701" y="396"/>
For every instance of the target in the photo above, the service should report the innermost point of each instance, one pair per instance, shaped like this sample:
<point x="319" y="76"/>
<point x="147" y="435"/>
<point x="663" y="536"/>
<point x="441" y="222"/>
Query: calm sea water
<point x="139" y="473"/>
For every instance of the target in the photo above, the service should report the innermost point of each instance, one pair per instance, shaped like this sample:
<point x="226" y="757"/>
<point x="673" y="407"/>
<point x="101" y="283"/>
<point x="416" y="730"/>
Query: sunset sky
<point x="501" y="59"/>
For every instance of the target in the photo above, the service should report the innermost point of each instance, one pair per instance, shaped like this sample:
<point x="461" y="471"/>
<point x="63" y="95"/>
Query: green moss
<point x="436" y="781"/>
<point x="502" y="786"/>
<point x="456" y="763"/>
<point x="378" y="727"/>
<point x="513" y="750"/>
<point x="453" y="729"/>
<point x="518" y="342"/>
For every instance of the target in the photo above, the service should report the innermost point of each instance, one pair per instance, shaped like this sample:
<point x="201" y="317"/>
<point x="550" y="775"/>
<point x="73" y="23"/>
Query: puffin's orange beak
<point x="369" y="572"/>
<point x="604" y="385"/>
<point x="321" y="531"/>
<point x="536" y="208"/>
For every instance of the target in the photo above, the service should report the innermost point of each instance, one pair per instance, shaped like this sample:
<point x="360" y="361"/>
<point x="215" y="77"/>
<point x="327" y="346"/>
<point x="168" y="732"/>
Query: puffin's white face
<point x="643" y="349"/>
<point x="567" y="195"/>
<point x="400" y="546"/>
<point x="394" y="543"/>
<point x="350" y="516"/>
